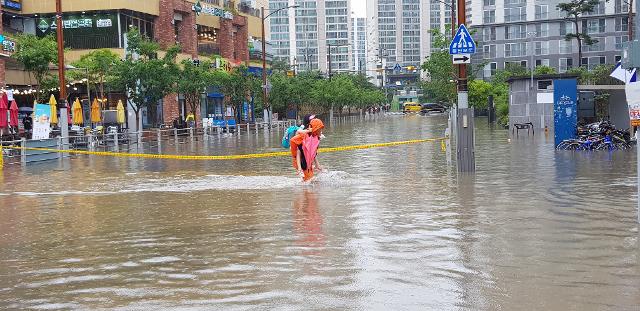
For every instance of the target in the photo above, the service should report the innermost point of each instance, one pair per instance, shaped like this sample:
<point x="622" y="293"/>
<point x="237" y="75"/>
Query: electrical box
<point x="631" y="54"/>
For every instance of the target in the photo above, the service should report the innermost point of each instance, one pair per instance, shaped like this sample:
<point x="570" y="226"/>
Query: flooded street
<point x="385" y="229"/>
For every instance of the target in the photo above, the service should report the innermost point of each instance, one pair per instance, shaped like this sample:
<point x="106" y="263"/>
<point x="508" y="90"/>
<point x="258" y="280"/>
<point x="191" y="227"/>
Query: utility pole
<point x="62" y="102"/>
<point x="465" y="132"/>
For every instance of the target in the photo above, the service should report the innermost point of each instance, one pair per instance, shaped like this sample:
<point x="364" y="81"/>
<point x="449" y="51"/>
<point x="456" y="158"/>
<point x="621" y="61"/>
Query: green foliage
<point x="36" y="55"/>
<point x="280" y="66"/>
<point x="479" y="92"/>
<point x="97" y="66"/>
<point x="143" y="76"/>
<point x="192" y="81"/>
<point x="544" y="70"/>
<point x="598" y="76"/>
<point x="440" y="86"/>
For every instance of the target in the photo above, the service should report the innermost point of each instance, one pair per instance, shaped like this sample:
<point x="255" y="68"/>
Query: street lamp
<point x="532" y="34"/>
<point x="265" y="98"/>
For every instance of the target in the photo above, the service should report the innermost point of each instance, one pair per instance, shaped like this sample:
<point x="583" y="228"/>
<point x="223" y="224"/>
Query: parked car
<point x="428" y="108"/>
<point x="411" y="107"/>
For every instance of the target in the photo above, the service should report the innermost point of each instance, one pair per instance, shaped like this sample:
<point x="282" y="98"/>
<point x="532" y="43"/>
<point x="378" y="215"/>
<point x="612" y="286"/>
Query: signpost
<point x="462" y="59"/>
<point x="461" y="48"/>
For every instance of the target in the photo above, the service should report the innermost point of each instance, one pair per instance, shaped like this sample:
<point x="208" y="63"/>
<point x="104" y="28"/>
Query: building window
<point x="565" y="64"/>
<point x="620" y="40"/>
<point x="489" y="2"/>
<point x="622" y="6"/>
<point x="594" y="25"/>
<point x="544" y="85"/>
<point x="566" y="27"/>
<point x="542" y="11"/>
<point x="516" y="14"/>
<point x="542" y="30"/>
<point x="489" y="16"/>
<point x="489" y="33"/>
<point x="597" y="46"/>
<point x="593" y="62"/>
<point x="489" y="51"/>
<point x="515" y="32"/>
<point x="522" y="63"/>
<point x="622" y="24"/>
<point x="542" y="62"/>
<point x="565" y="47"/>
<point x="542" y="48"/>
<point x="597" y="10"/>
<point x="490" y="69"/>
<point x="515" y="49"/>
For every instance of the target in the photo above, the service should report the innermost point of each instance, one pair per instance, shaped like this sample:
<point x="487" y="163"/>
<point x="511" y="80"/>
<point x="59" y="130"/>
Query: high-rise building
<point x="532" y="33"/>
<point x="359" y="44"/>
<point x="400" y="39"/>
<point x="306" y="35"/>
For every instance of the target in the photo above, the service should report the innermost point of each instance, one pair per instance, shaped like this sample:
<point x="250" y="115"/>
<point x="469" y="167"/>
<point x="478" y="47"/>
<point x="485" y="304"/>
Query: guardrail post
<point x="90" y="143"/>
<point x="140" y="138"/>
<point x="23" y="152"/>
<point x="115" y="141"/>
<point x="191" y="134"/>
<point x="227" y="124"/>
<point x="159" y="137"/>
<point x="59" y="147"/>
<point x="248" y="130"/>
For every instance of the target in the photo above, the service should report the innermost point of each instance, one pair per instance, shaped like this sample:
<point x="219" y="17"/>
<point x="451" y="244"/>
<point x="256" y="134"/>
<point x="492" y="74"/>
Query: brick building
<point x="202" y="28"/>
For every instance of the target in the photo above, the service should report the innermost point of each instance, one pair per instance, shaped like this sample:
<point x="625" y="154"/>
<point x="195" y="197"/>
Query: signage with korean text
<point x="462" y="43"/>
<point x="565" y="97"/>
<point x="632" y="91"/>
<point x="12" y="4"/>
<point x="211" y="10"/>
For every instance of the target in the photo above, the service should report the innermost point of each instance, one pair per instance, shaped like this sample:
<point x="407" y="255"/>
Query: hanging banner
<point x="565" y="99"/>
<point x="632" y="91"/>
<point x="42" y="122"/>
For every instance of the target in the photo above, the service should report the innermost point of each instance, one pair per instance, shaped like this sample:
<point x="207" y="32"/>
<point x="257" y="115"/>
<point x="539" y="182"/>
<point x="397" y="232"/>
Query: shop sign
<point x="44" y="25"/>
<point x="8" y="46"/>
<point x="42" y="122"/>
<point x="210" y="10"/>
<point x="12" y="4"/>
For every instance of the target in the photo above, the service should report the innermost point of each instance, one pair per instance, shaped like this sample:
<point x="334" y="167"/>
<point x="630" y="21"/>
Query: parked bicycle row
<point x="598" y="136"/>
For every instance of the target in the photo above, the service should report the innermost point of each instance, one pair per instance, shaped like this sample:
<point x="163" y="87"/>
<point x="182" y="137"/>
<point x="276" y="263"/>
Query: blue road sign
<point x="397" y="67"/>
<point x="462" y="43"/>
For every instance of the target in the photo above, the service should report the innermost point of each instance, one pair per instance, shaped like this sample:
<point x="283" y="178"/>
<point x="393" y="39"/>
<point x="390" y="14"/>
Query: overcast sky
<point x="359" y="7"/>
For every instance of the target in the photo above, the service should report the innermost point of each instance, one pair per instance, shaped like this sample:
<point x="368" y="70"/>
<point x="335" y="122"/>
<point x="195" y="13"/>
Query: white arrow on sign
<point x="461" y="59"/>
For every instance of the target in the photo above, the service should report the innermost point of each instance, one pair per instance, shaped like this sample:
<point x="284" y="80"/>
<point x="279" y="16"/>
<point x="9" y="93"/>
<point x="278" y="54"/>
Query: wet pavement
<point x="384" y="229"/>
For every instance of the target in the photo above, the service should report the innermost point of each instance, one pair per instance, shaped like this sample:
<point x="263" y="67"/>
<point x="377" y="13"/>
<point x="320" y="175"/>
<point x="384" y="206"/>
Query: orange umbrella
<point x="78" y="118"/>
<point x="95" y="112"/>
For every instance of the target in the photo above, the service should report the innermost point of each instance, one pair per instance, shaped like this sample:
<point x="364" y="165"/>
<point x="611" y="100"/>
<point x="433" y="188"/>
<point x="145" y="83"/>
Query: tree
<point x="479" y="92"/>
<point x="280" y="66"/>
<point x="99" y="66"/>
<point x="440" y="85"/>
<point x="36" y="55"/>
<point x="574" y="11"/>
<point x="143" y="76"/>
<point x="192" y="82"/>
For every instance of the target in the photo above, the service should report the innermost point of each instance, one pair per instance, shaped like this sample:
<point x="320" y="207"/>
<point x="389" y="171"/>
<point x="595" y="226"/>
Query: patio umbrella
<point x="54" y="109"/>
<point x="120" y="117"/>
<point x="95" y="112"/>
<point x="78" y="118"/>
<point x="4" y="107"/>
<point x="13" y="114"/>
<point x="69" y="120"/>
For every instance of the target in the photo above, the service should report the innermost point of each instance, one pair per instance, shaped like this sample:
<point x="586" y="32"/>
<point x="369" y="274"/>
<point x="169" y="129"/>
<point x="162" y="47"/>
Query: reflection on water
<point x="392" y="228"/>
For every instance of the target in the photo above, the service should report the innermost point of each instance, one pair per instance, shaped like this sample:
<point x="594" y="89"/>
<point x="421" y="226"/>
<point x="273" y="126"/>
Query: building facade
<point x="305" y="36"/>
<point x="359" y="44"/>
<point x="532" y="33"/>
<point x="399" y="33"/>
<point x="202" y="28"/>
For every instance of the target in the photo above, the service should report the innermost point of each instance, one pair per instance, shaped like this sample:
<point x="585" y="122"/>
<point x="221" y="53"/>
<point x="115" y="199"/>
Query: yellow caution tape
<point x="225" y="157"/>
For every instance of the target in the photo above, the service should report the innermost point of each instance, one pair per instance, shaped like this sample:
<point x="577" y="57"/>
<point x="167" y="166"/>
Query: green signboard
<point x="83" y="31"/>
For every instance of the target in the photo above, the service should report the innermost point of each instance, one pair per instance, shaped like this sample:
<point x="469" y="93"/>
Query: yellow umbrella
<point x="95" y="112"/>
<point x="78" y="118"/>
<point x="120" y="118"/>
<point x="54" y="109"/>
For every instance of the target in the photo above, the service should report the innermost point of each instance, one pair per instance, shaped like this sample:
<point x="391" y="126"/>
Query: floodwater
<point x="384" y="229"/>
